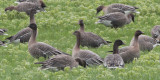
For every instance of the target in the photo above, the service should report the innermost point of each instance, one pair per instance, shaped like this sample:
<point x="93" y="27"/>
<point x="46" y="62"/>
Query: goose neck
<point x="115" y="49"/>
<point x="33" y="37"/>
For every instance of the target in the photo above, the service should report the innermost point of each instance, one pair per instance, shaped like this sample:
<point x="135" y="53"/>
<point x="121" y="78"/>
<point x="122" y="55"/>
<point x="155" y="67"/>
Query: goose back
<point x="115" y="20"/>
<point x="58" y="62"/>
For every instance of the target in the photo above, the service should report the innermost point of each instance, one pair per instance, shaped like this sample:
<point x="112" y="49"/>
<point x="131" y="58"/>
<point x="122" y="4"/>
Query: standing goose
<point x="89" y="57"/>
<point x="114" y="60"/>
<point x="59" y="62"/>
<point x="146" y="43"/>
<point x="90" y="39"/>
<point x="155" y="32"/>
<point x="40" y="49"/>
<point x="24" y="34"/>
<point x="116" y="7"/>
<point x="26" y="7"/>
<point x="2" y="31"/>
<point x="114" y="20"/>
<point x="128" y="53"/>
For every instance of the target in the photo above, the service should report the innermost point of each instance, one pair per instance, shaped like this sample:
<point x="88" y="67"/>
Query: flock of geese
<point x="116" y="16"/>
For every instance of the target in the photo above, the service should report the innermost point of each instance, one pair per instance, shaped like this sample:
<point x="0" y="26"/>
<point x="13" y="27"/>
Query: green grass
<point x="56" y="26"/>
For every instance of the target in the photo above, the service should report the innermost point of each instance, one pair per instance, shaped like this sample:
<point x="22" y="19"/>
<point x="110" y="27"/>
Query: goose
<point x="40" y="49"/>
<point x="90" y="39"/>
<point x="114" y="60"/>
<point x="146" y="43"/>
<point x="2" y="31"/>
<point x="117" y="7"/>
<point x="128" y="53"/>
<point x="39" y="2"/>
<point x="155" y="32"/>
<point x="59" y="62"/>
<point x="88" y="56"/>
<point x="23" y="35"/>
<point x="114" y="20"/>
<point x="26" y="7"/>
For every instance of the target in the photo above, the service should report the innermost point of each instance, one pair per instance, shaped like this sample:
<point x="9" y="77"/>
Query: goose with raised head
<point x="114" y="60"/>
<point x="114" y="20"/>
<point x="26" y="7"/>
<point x="146" y="43"/>
<point x="155" y="32"/>
<point x="59" y="62"/>
<point x="2" y="31"/>
<point x="40" y="49"/>
<point x="23" y="35"/>
<point x="117" y="7"/>
<point x="88" y="56"/>
<point x="128" y="53"/>
<point x="90" y="39"/>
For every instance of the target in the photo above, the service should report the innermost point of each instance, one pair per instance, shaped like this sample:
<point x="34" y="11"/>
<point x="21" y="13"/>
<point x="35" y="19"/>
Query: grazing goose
<point x="146" y="43"/>
<point x="90" y="39"/>
<point x="23" y="35"/>
<point x="116" y="7"/>
<point x="26" y="7"/>
<point x="115" y="20"/>
<point x="89" y="57"/>
<point x="128" y="53"/>
<point x="114" y="60"/>
<point x="40" y="49"/>
<point x="59" y="62"/>
<point x="155" y="32"/>
<point x="2" y="31"/>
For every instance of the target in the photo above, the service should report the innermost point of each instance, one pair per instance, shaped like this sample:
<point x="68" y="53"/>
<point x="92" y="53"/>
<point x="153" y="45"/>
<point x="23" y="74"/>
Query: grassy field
<point x="56" y="26"/>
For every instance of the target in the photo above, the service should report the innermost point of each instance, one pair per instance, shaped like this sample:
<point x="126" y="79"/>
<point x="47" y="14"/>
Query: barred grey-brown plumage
<point x="115" y="20"/>
<point x="128" y="53"/>
<point x="146" y="43"/>
<point x="90" y="39"/>
<point x="155" y="32"/>
<point x="58" y="62"/>
<point x="89" y="57"/>
<point x="114" y="60"/>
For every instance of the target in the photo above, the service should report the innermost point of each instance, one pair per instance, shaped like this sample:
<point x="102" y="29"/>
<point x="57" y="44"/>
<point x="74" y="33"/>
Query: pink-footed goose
<point x="88" y="56"/>
<point x="117" y="7"/>
<point x="23" y="35"/>
<point x="90" y="39"/>
<point x="40" y="49"/>
<point x="155" y="32"/>
<point x="59" y="62"/>
<point x="128" y="53"/>
<point x="146" y="43"/>
<point x="2" y="31"/>
<point x="114" y="20"/>
<point x="114" y="60"/>
<point x="26" y="7"/>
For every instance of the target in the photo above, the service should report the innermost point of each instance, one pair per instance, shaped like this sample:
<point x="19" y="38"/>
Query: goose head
<point x="9" y="8"/>
<point x="138" y="32"/>
<point x="119" y="42"/>
<point x="33" y="26"/>
<point x="43" y="5"/>
<point x="76" y="33"/>
<point x="100" y="8"/>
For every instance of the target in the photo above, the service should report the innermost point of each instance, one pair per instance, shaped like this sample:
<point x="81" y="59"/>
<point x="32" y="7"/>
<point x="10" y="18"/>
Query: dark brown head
<point x="119" y="42"/>
<point x="138" y="32"/>
<point x="43" y="5"/>
<point x="81" y="62"/>
<point x="81" y="23"/>
<point x="99" y="9"/>
<point x="76" y="33"/>
<point x="33" y="26"/>
<point x="10" y="8"/>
